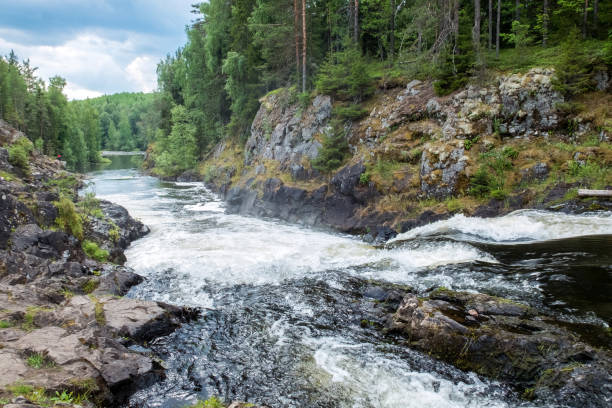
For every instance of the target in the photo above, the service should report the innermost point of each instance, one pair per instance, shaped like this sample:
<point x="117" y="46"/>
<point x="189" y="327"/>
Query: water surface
<point x="283" y="304"/>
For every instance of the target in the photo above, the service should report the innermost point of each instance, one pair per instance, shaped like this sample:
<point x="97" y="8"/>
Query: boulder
<point x="504" y="340"/>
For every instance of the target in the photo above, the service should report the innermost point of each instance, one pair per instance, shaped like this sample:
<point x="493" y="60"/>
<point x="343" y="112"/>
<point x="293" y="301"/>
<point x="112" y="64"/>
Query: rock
<point x="282" y="131"/>
<point x="138" y="319"/>
<point x="347" y="178"/>
<point x="189" y="176"/>
<point x="538" y="171"/>
<point x="501" y="339"/>
<point x="442" y="170"/>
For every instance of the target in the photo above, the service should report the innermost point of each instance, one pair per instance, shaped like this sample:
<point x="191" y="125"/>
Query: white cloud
<point x="92" y="64"/>
<point x="73" y="91"/>
<point x="142" y="71"/>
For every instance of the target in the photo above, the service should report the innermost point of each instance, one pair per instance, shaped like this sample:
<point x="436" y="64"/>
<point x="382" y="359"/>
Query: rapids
<point x="283" y="305"/>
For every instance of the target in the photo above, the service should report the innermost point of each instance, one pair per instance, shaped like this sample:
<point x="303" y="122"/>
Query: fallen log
<point x="583" y="192"/>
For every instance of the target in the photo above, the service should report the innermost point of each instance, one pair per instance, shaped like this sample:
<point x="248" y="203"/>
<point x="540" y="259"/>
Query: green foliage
<point x="489" y="180"/>
<point x="93" y="251"/>
<point x="572" y="73"/>
<point x="349" y="112"/>
<point x="178" y="152"/>
<point x="19" y="153"/>
<point x="212" y="402"/>
<point x="345" y="75"/>
<point x="5" y="324"/>
<point x="38" y="361"/>
<point x="63" y="397"/>
<point x="334" y="150"/>
<point x="90" y="205"/>
<point x="68" y="219"/>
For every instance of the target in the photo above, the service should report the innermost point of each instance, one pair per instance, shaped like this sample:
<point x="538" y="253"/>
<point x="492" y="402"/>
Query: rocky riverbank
<point x="67" y="334"/>
<point x="510" y="143"/>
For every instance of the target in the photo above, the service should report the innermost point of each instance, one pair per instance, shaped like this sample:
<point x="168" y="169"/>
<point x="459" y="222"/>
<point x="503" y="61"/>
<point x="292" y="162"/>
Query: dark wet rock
<point x="380" y="234"/>
<point x="189" y="176"/>
<point x="347" y="178"/>
<point x="504" y="340"/>
<point x="115" y="231"/>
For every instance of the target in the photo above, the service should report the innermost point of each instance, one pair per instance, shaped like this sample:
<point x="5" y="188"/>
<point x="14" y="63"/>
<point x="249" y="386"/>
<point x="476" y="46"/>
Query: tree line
<point x="239" y="50"/>
<point x="74" y="131"/>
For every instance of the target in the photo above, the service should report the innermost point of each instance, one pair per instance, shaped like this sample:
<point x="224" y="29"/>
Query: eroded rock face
<point x="442" y="169"/>
<point x="508" y="341"/>
<point x="283" y="132"/>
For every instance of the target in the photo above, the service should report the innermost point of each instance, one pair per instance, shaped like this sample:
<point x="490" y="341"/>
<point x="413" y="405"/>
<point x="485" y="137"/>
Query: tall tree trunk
<point x="456" y="21"/>
<point x="584" y="19"/>
<point x="296" y="33"/>
<point x="497" y="32"/>
<point x="517" y="10"/>
<point x="356" y="24"/>
<point x="595" y="10"/>
<point x="476" y="29"/>
<point x="304" y="46"/>
<point x="350" y="18"/>
<point x="392" y="39"/>
<point x="490" y="24"/>
<point x="545" y="18"/>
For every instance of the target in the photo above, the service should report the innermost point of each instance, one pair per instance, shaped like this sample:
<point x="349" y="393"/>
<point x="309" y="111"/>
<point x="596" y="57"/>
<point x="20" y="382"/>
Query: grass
<point x="38" y="361"/>
<point x="5" y="324"/>
<point x="40" y="396"/>
<point x="93" y="251"/>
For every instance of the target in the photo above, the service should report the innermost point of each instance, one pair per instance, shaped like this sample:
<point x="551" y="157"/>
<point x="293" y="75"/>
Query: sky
<point x="99" y="46"/>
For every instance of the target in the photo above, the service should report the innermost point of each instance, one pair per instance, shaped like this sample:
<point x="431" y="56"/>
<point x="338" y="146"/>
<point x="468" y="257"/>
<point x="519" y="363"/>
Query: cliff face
<point x="415" y="156"/>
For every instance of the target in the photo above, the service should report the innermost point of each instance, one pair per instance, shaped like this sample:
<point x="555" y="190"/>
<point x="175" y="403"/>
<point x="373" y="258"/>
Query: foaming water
<point x="521" y="225"/>
<point x="283" y="303"/>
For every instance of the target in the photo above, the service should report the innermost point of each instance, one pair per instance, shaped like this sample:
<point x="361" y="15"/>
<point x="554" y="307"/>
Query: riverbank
<point x="67" y="334"/>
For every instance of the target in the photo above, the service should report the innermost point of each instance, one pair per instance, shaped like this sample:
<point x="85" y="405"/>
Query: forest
<point x="240" y="50"/>
<point x="75" y="131"/>
<point x="237" y="51"/>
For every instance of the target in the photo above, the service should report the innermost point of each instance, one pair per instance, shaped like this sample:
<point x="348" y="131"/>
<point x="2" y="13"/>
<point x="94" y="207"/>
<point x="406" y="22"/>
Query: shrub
<point x="349" y="112"/>
<point x="91" y="205"/>
<point x="93" y="251"/>
<point x="333" y="152"/>
<point x="67" y="217"/>
<point x="480" y="183"/>
<point x="19" y="153"/>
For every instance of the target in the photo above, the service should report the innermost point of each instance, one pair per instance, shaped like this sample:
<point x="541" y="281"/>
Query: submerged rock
<point x="507" y="341"/>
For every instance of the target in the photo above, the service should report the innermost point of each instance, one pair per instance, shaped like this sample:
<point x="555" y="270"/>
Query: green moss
<point x="114" y="233"/>
<point x="67" y="218"/>
<point x="93" y="251"/>
<point x="5" y="324"/>
<point x="7" y="176"/>
<point x="91" y="285"/>
<point x="99" y="310"/>
<point x="28" y="318"/>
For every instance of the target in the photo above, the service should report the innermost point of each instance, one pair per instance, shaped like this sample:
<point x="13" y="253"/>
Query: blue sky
<point x="99" y="46"/>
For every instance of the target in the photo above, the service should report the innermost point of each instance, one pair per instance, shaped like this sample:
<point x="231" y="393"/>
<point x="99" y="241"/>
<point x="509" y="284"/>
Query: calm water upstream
<point x="282" y="304"/>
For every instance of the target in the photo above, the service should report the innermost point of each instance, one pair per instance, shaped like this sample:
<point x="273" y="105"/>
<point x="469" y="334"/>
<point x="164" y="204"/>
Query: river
<point x="283" y="304"/>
